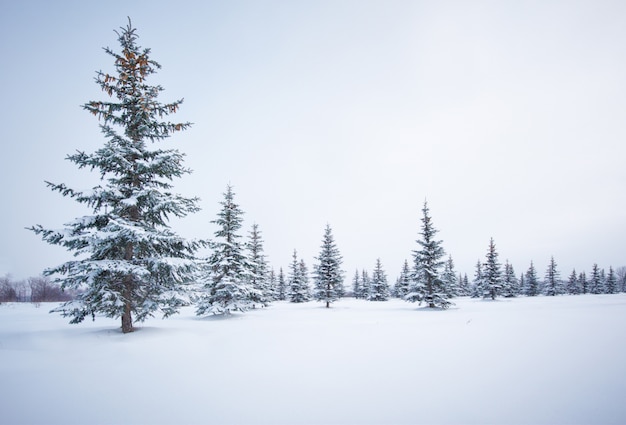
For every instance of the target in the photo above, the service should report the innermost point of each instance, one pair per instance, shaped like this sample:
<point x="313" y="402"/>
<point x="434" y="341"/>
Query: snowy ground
<point x="518" y="361"/>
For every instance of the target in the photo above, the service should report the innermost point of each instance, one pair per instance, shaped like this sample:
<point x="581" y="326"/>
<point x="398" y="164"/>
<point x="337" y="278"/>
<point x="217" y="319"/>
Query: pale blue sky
<point x="507" y="116"/>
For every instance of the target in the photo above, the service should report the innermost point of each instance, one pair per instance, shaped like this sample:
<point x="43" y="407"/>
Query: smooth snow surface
<point x="535" y="360"/>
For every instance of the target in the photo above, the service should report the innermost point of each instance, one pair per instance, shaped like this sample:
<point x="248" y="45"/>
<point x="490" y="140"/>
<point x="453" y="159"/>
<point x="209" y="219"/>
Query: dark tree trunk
<point x="127" y="294"/>
<point x="127" y="318"/>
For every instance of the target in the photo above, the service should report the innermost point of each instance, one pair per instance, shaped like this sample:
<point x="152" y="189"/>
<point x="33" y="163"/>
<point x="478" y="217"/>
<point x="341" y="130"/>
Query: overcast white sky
<point x="507" y="116"/>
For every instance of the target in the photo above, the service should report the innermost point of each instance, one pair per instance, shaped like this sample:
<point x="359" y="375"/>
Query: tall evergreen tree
<point x="327" y="272"/>
<point x="379" y="287"/>
<point x="572" y="286"/>
<point x="404" y="281"/>
<point x="552" y="285"/>
<point x="427" y="285"/>
<point x="259" y="276"/>
<point x="531" y="288"/>
<point x="510" y="284"/>
<point x="492" y="273"/>
<point x="299" y="290"/>
<point x="227" y="275"/>
<point x="131" y="264"/>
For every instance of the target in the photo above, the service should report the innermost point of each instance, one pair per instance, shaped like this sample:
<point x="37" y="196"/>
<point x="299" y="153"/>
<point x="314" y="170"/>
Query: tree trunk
<point x="127" y="318"/>
<point x="327" y="304"/>
<point x="127" y="294"/>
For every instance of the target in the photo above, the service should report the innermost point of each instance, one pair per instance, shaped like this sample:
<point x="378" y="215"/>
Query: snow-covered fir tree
<point x="427" y="285"/>
<point x="478" y="282"/>
<point x="596" y="284"/>
<point x="129" y="264"/>
<point x="281" y="291"/>
<point x="531" y="288"/>
<point x="259" y="276"/>
<point x="273" y="285"/>
<point x="492" y="273"/>
<point x="621" y="278"/>
<point x="464" y="285"/>
<point x="328" y="276"/>
<point x="450" y="283"/>
<point x="404" y="281"/>
<point x="299" y="290"/>
<point x="510" y="284"/>
<point x="583" y="282"/>
<point x="610" y="285"/>
<point x="379" y="287"/>
<point x="365" y="284"/>
<point x="356" y="285"/>
<point x="572" y="287"/>
<point x="552" y="281"/>
<point x="226" y="279"/>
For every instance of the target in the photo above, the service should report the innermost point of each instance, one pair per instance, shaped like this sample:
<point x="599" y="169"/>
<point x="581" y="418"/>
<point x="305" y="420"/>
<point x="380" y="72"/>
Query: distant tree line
<point x="34" y="289"/>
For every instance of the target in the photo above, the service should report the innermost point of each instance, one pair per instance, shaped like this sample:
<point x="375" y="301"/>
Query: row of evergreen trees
<point x="129" y="264"/>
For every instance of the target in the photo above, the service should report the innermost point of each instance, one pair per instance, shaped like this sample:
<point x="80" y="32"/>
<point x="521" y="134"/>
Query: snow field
<point x="524" y="360"/>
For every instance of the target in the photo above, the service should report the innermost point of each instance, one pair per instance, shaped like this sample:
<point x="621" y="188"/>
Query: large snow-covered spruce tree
<point x="129" y="264"/>
<point x="427" y="285"/>
<point x="227" y="275"/>
<point x="327" y="272"/>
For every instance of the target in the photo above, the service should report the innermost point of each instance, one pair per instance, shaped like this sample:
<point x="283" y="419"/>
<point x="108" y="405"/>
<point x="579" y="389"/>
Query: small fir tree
<point x="379" y="288"/>
<point x="532" y="283"/>
<point x="356" y="285"/>
<point x="492" y="273"/>
<point x="282" y="286"/>
<point x="510" y="284"/>
<point x="404" y="281"/>
<point x="328" y="273"/>
<point x="365" y="284"/>
<point x="478" y="282"/>
<point x="259" y="276"/>
<point x="299" y="291"/>
<point x="450" y="284"/>
<point x="131" y="264"/>
<point x="552" y="281"/>
<point x="572" y="286"/>
<point x="610" y="286"/>
<point x="596" y="285"/>
<point x="427" y="285"/>
<point x="227" y="275"/>
<point x="621" y="278"/>
<point x="464" y="285"/>
<point x="272" y="285"/>
<point x="583" y="283"/>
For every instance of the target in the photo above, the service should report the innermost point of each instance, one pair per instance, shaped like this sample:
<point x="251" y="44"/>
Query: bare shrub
<point x="43" y="290"/>
<point x="8" y="293"/>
